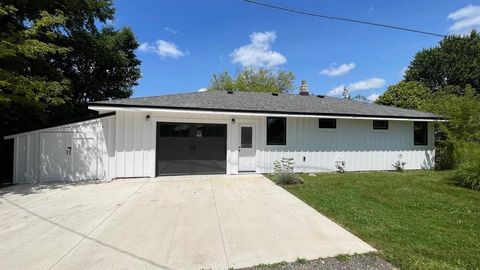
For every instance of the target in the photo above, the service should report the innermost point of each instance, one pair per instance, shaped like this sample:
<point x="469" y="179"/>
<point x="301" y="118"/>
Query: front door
<point x="246" y="148"/>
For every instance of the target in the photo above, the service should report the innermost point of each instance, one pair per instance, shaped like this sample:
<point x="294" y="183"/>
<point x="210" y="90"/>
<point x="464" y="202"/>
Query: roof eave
<point x="129" y="107"/>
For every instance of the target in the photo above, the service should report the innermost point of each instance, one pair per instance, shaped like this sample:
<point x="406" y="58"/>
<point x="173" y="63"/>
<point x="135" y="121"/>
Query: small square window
<point x="327" y="123"/>
<point x="380" y="124"/>
<point x="420" y="133"/>
<point x="276" y="131"/>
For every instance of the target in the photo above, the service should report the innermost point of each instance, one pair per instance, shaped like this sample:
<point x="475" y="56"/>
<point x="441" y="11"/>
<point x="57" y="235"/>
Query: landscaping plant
<point x="467" y="171"/>
<point x="399" y="165"/>
<point x="283" y="172"/>
<point x="340" y="165"/>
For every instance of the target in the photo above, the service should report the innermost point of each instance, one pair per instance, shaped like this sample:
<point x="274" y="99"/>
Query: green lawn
<point x="418" y="220"/>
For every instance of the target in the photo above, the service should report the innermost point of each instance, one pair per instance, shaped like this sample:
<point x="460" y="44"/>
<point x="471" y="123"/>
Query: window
<point x="327" y="123"/>
<point x="246" y="137"/>
<point x="276" y="131"/>
<point x="380" y="124"/>
<point x="174" y="130"/>
<point x="420" y="133"/>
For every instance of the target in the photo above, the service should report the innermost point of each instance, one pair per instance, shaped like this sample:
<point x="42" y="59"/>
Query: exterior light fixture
<point x="147" y="118"/>
<point x="233" y="121"/>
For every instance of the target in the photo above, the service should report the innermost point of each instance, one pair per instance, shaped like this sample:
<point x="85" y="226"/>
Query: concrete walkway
<point x="194" y="222"/>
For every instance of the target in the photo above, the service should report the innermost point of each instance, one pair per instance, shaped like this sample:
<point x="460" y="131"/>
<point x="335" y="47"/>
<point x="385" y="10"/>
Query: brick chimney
<point x="304" y="88"/>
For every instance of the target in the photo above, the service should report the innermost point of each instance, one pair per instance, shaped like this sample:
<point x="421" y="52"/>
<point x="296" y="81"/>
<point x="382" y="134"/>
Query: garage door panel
<point x="190" y="148"/>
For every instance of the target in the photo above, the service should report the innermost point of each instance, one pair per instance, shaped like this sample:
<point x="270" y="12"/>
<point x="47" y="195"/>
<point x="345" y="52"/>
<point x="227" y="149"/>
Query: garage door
<point x="191" y="148"/>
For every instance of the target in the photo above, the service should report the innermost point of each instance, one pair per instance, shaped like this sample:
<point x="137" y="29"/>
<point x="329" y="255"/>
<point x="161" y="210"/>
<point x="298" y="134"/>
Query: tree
<point x="408" y="95"/>
<point x="58" y="55"/>
<point x="253" y="80"/>
<point x="455" y="61"/>
<point x="28" y="81"/>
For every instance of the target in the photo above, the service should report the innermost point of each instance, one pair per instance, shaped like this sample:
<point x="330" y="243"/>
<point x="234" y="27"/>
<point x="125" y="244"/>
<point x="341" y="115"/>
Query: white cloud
<point x="171" y="30"/>
<point x="163" y="48"/>
<point x="336" y="91"/>
<point x="367" y="84"/>
<point x="465" y="19"/>
<point x="373" y="97"/>
<point x="337" y="71"/>
<point x="202" y="89"/>
<point x="258" y="53"/>
<point x="372" y="83"/>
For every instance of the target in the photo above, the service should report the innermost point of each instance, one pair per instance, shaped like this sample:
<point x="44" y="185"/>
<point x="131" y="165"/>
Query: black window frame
<point x="284" y="141"/>
<point x="425" y="135"/>
<point x="380" y="127"/>
<point x="327" y="120"/>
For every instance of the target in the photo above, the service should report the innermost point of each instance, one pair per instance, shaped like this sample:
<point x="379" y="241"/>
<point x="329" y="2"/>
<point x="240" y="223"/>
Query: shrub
<point x="340" y="165"/>
<point x="399" y="165"/>
<point x="283" y="172"/>
<point x="467" y="172"/>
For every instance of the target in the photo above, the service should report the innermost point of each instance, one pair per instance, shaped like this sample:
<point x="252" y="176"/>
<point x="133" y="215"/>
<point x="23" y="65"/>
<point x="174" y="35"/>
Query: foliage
<point x="405" y="94"/>
<point x="467" y="171"/>
<point x="416" y="219"/>
<point x="340" y="165"/>
<point x="462" y="112"/>
<point x="455" y="61"/>
<point x="284" y="172"/>
<point x="253" y="80"/>
<point x="57" y="55"/>
<point x="399" y="165"/>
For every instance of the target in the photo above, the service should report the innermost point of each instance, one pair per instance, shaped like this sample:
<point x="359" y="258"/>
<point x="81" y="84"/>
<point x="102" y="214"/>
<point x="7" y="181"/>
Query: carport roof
<point x="254" y="102"/>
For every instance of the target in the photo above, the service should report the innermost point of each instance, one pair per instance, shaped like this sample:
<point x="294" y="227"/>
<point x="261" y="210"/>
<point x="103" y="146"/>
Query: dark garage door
<point x="191" y="148"/>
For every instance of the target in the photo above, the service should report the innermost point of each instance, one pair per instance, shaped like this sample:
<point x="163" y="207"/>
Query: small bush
<point x="399" y="165"/>
<point x="283" y="172"/>
<point x="285" y="178"/>
<point x="467" y="172"/>
<point x="340" y="165"/>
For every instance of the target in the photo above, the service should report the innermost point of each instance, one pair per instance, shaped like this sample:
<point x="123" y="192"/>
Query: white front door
<point x="246" y="148"/>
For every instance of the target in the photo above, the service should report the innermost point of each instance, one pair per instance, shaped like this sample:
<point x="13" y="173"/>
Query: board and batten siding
<point x="353" y="141"/>
<point x="126" y="144"/>
<point x="28" y="149"/>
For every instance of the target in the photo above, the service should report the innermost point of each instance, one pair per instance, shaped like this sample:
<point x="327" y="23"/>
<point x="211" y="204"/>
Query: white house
<point x="225" y="133"/>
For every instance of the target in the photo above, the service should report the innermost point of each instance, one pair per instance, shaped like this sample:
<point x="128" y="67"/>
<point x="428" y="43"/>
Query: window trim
<point x="284" y="131"/>
<point x="374" y="128"/>
<point x="328" y="128"/>
<point x="426" y="134"/>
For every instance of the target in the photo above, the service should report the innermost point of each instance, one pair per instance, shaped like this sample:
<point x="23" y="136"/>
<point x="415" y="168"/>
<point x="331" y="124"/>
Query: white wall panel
<point x="28" y="152"/>
<point x="354" y="141"/>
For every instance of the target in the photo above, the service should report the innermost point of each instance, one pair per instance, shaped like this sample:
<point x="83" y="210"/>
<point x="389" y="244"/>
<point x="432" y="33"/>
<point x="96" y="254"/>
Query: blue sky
<point x="185" y="42"/>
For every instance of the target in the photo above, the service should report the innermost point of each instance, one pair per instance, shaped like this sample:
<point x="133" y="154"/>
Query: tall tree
<point x="409" y="95"/>
<point x="253" y="80"/>
<point x="77" y="54"/>
<point x="455" y="61"/>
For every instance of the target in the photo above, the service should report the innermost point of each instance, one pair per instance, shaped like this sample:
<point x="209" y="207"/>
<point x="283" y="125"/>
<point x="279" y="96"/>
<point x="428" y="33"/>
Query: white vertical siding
<point x="27" y="148"/>
<point x="126" y="144"/>
<point x="354" y="141"/>
<point x="133" y="145"/>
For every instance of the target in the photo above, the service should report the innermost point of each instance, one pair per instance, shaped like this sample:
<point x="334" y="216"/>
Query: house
<point x="224" y="133"/>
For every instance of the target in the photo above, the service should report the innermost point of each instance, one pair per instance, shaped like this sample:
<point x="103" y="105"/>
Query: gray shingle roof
<point x="267" y="103"/>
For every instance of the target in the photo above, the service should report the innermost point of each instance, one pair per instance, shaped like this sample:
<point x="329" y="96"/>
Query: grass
<point x="416" y="219"/>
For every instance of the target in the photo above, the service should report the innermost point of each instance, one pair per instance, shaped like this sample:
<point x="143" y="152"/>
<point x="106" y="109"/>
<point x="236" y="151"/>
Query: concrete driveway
<point x="193" y="222"/>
